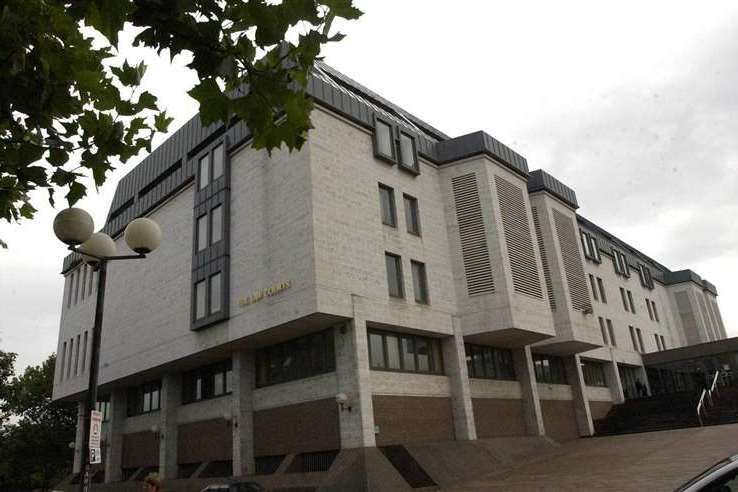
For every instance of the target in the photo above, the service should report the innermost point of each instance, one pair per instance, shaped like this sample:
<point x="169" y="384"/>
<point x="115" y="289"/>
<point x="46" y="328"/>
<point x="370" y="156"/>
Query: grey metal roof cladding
<point x="480" y="143"/>
<point x="540" y="180"/>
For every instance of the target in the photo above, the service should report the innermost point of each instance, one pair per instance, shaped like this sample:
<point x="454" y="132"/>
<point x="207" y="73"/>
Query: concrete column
<point x="454" y="359"/>
<point x="243" y="413"/>
<point x="114" y="451"/>
<point x="353" y="374"/>
<point x="575" y="377"/>
<point x="171" y="393"/>
<point x="78" y="437"/>
<point x="612" y="376"/>
<point x="523" y="360"/>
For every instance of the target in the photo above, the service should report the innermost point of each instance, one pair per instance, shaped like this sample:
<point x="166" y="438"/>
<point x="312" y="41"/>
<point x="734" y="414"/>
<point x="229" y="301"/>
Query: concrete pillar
<point x="114" y="451"/>
<point x="612" y="376"/>
<point x="454" y="358"/>
<point x="171" y="393"/>
<point x="243" y="413"/>
<point x="524" y="369"/>
<point x="78" y="437"/>
<point x="353" y="374"/>
<point x="575" y="377"/>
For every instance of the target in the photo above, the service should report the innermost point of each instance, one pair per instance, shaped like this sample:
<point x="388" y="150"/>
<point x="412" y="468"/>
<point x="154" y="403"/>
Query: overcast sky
<point x="635" y="106"/>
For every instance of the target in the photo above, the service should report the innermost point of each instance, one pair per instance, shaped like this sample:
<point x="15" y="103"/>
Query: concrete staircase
<point x="664" y="412"/>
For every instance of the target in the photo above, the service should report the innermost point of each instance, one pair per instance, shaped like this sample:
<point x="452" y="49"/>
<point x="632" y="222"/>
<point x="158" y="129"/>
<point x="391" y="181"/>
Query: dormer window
<point x="408" y="152"/>
<point x="620" y="262"/>
<point x="590" y="247"/>
<point x="383" y="142"/>
<point x="645" y="274"/>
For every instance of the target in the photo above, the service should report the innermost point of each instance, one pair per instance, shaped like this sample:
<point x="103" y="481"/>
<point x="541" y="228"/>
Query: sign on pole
<point x="95" y="432"/>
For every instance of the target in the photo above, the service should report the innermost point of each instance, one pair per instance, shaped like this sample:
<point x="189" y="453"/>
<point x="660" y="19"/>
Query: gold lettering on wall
<point x="260" y="294"/>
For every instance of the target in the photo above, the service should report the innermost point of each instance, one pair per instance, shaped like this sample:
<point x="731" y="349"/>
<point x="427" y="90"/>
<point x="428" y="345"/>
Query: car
<point x="234" y="487"/>
<point x="720" y="477"/>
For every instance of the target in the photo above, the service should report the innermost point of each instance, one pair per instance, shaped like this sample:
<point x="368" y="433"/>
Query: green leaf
<point x="58" y="157"/>
<point x="76" y="192"/>
<point x="214" y="105"/>
<point x="162" y="121"/>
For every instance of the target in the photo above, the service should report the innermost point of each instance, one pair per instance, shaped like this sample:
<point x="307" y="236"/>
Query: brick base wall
<point x="303" y="427"/>
<point x="497" y="417"/>
<point x="209" y="440"/>
<point x="559" y="419"/>
<point x="140" y="449"/>
<point x="599" y="409"/>
<point x="412" y="419"/>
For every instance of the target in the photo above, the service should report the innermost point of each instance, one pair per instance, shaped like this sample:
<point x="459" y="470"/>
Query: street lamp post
<point x="74" y="227"/>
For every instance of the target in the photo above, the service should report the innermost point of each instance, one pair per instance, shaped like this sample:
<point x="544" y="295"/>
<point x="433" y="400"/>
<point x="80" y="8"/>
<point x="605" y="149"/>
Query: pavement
<point x="652" y="461"/>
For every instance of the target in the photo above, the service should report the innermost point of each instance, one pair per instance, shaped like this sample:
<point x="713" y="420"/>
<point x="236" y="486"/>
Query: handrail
<point x="701" y="406"/>
<point x="713" y="387"/>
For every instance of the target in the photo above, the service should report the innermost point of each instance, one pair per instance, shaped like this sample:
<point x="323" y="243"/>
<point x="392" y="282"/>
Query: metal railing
<point x="707" y="394"/>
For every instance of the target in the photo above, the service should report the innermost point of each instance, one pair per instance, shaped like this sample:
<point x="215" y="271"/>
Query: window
<point x="76" y="357"/>
<point x="394" y="275"/>
<point x="216" y="224"/>
<point x="624" y="298"/>
<point x="71" y="288"/>
<point x="589" y="247"/>
<point x="650" y="311"/>
<point x="658" y="341"/>
<point x="489" y="362"/>
<point x="84" y="280"/>
<point x="200" y="298"/>
<point x="215" y="300"/>
<point x="594" y="287"/>
<point x="92" y="276"/>
<point x="633" y="338"/>
<point x="640" y="340"/>
<point x="611" y="331"/>
<point x="298" y="358"/>
<point x="412" y="217"/>
<point x="645" y="275"/>
<point x="69" y="357"/>
<point x="603" y="330"/>
<point x="420" y="282"/>
<point x="84" y="352"/>
<point x="601" y="285"/>
<point x="204" y="171"/>
<point x="630" y="301"/>
<point x="63" y="360"/>
<point x="144" y="398"/>
<point x="408" y="353"/>
<point x="217" y="162"/>
<point x="594" y="374"/>
<point x="207" y="382"/>
<point x="383" y="141"/>
<point x="549" y="369"/>
<point x="620" y="262"/>
<point x="655" y="312"/>
<point x="387" y="204"/>
<point x="202" y="232"/>
<point x="103" y="406"/>
<point x="408" y="155"/>
<point x="76" y="285"/>
<point x="663" y="342"/>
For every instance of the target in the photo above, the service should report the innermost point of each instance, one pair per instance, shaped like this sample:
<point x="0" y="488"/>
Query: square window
<point x="383" y="146"/>
<point x="412" y="217"/>
<point x="200" y="298"/>
<point x="420" y="282"/>
<point x="217" y="162"/>
<point x="387" y="205"/>
<point x="202" y="232"/>
<point x="215" y="299"/>
<point x="216" y="224"/>
<point x="394" y="275"/>
<point x="408" y="156"/>
<point x="204" y="171"/>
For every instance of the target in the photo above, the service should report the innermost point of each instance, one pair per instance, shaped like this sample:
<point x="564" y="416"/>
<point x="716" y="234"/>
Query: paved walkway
<point x="653" y="461"/>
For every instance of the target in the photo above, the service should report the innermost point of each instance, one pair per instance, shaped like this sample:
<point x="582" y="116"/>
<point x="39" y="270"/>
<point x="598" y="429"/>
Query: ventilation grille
<point x="474" y="249"/>
<point x="518" y="239"/>
<point x="572" y="262"/>
<point x="544" y="260"/>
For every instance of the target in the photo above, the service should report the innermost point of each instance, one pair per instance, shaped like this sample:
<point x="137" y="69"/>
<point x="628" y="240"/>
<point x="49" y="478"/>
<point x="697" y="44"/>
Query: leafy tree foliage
<point x="67" y="113"/>
<point x="34" y="449"/>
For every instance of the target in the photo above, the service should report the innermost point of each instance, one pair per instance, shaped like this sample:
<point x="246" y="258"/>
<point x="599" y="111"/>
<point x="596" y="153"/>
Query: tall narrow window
<point x="601" y="285"/>
<point x="69" y="358"/>
<point x="215" y="293"/>
<point x="595" y="249"/>
<point x="394" y="275"/>
<point x="84" y="280"/>
<point x="603" y="331"/>
<point x="63" y="360"/>
<point x="658" y="341"/>
<point x="200" y="298"/>
<point x="376" y="350"/>
<point x="70" y="282"/>
<point x="624" y="298"/>
<point x="202" y="232"/>
<point x="204" y="171"/>
<point x="76" y="285"/>
<point x="640" y="340"/>
<point x="633" y="338"/>
<point x="648" y="306"/>
<point x="92" y="277"/>
<point x="420" y="282"/>
<point x="84" y="352"/>
<point x="76" y="357"/>
<point x="412" y="218"/>
<point x="655" y="312"/>
<point x="217" y="162"/>
<point x="387" y="204"/>
<point x="594" y="287"/>
<point x="630" y="302"/>
<point x="611" y="331"/>
<point x="585" y="243"/>
<point x="408" y="156"/>
<point x="216" y="224"/>
<point x="663" y="342"/>
<point x="383" y="146"/>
